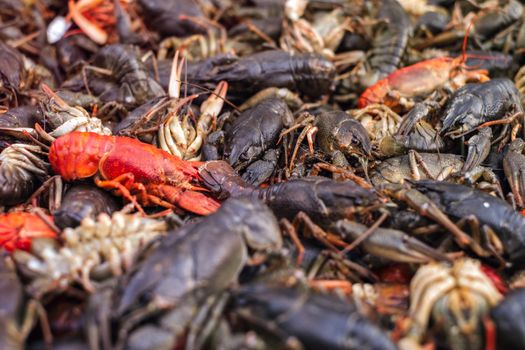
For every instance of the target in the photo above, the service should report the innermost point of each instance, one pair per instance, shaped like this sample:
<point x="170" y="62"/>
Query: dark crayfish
<point x="389" y="43"/>
<point x="17" y="317"/>
<point x="16" y="121"/>
<point x="475" y="104"/>
<point x="129" y="82"/>
<point x="318" y="321"/>
<point x="250" y="142"/>
<point x="320" y="198"/>
<point x="435" y="166"/>
<point x="82" y="201"/>
<point x="190" y="265"/>
<point x="507" y="322"/>
<point x="491" y="216"/>
<point x="514" y="168"/>
<point x="311" y="74"/>
<point x="335" y="132"/>
<point x="21" y="169"/>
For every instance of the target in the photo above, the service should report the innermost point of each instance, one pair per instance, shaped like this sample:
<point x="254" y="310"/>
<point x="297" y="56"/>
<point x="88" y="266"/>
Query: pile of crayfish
<point x="262" y="174"/>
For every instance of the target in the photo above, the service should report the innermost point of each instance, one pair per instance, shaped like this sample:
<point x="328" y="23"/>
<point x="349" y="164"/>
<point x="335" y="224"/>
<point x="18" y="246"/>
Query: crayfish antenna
<point x="464" y="56"/>
<point x="464" y="46"/>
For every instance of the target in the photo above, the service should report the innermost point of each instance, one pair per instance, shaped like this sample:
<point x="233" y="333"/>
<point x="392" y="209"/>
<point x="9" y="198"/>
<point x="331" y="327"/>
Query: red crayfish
<point x="422" y="78"/>
<point x="138" y="171"/>
<point x="18" y="228"/>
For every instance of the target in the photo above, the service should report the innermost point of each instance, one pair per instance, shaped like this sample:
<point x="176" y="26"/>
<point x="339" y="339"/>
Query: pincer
<point x="391" y="244"/>
<point x="475" y="104"/>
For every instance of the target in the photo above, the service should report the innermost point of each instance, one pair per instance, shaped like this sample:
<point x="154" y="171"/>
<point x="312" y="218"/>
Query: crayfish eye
<point x="355" y="141"/>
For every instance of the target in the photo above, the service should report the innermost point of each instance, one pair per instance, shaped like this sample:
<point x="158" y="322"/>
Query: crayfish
<point x="17" y="229"/>
<point x="138" y="171"/>
<point x="421" y="79"/>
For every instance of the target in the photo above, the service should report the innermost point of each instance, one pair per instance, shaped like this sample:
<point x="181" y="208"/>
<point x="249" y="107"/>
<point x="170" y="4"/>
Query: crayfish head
<point x="339" y="131"/>
<point x="463" y="113"/>
<point x="221" y="178"/>
<point x="353" y="142"/>
<point x="242" y="152"/>
<point x="517" y="145"/>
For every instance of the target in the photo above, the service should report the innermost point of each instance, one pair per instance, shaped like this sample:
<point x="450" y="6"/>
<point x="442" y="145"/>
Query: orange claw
<point x="17" y="229"/>
<point x="189" y="200"/>
<point x="92" y="30"/>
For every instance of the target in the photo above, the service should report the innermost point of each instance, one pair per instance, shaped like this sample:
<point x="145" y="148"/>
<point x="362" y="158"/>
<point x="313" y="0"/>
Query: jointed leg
<point x="417" y="161"/>
<point x="330" y="241"/>
<point x="289" y="229"/>
<point x="116" y="184"/>
<point x="307" y="132"/>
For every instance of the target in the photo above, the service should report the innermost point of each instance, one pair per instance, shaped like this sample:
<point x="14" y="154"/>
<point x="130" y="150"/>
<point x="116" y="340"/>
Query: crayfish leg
<point x="158" y="201"/>
<point x="290" y="230"/>
<point x="124" y="192"/>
